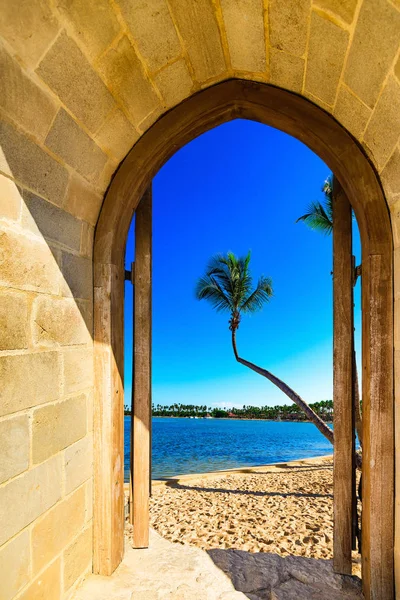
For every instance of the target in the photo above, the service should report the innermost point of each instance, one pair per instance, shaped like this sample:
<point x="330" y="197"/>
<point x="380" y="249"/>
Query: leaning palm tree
<point x="228" y="286"/>
<point x="319" y="217"/>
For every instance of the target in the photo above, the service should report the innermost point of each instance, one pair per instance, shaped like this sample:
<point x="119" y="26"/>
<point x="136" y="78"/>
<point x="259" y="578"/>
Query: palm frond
<point x="260" y="296"/>
<point x="207" y="288"/>
<point x="318" y="217"/>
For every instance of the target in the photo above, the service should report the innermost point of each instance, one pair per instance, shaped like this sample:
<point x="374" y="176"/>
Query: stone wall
<point x="83" y="80"/>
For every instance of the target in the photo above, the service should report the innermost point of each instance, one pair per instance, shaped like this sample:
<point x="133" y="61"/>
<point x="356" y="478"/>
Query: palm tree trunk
<point x="311" y="415"/>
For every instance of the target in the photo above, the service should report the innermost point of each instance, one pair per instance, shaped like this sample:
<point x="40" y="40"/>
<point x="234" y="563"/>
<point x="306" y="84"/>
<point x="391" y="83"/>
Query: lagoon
<point x="181" y="446"/>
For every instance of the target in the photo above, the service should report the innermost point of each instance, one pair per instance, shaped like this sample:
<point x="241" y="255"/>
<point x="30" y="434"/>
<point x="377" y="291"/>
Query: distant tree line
<point x="324" y="409"/>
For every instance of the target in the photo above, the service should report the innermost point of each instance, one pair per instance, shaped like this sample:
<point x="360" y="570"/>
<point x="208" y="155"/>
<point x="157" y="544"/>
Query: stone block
<point x="32" y="166"/>
<point x="28" y="380"/>
<point x="58" y="322"/>
<point x="391" y="173"/>
<point x="13" y="320"/>
<point x="77" y="272"/>
<point x="373" y="49"/>
<point x="87" y="240"/>
<point x="174" y="83"/>
<point x="10" y="199"/>
<point x="286" y="70"/>
<point x="78" y="86"/>
<point x="29" y="27"/>
<point x="244" y="26"/>
<point x="154" y="32"/>
<point x="397" y="69"/>
<point x="351" y="112"/>
<point x="73" y="145"/>
<point x="326" y="53"/>
<point x="126" y="78"/>
<point x="396" y="255"/>
<point x="89" y="500"/>
<point x="23" y="100"/>
<point x="15" y="566"/>
<point x="93" y="22"/>
<point x="117" y="135"/>
<point x="53" y="223"/>
<point x="56" y="426"/>
<point x="344" y="9"/>
<point x="198" y="27"/>
<point x="78" y="463"/>
<point x="383" y="129"/>
<point x="14" y="446"/>
<point x="27" y="264"/>
<point x="47" y="586"/>
<point x="77" y="558"/>
<point x="82" y="200"/>
<point x="29" y="495"/>
<point x="78" y="369"/>
<point x="57" y="528"/>
<point x="288" y="24"/>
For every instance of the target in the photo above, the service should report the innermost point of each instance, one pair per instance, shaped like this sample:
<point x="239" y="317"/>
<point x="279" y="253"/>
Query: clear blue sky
<point x="238" y="187"/>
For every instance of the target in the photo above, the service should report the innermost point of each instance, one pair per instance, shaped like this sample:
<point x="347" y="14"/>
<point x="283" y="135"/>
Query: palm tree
<point x="228" y="286"/>
<point x="319" y="217"/>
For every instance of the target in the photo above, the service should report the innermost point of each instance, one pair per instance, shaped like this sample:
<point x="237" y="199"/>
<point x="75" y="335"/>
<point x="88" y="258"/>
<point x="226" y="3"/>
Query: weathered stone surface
<point x="287" y="71"/>
<point x="117" y="135"/>
<point x="198" y="27"/>
<point x="78" y="463"/>
<point x="391" y="173"/>
<point x="57" y="528"/>
<point x="383" y="130"/>
<point x="28" y="380"/>
<point x="82" y="200"/>
<point x="76" y="83"/>
<point x="288" y="22"/>
<point x="27" y="264"/>
<point x="47" y="586"/>
<point x="126" y="78"/>
<point x="23" y="100"/>
<point x="10" y="199"/>
<point x="13" y="320"/>
<point x="154" y="32"/>
<point x="88" y="500"/>
<point x="174" y="83"/>
<point x="30" y="495"/>
<point x="77" y="558"/>
<point x="14" y="566"/>
<point x="69" y="141"/>
<point x="351" y="112"/>
<point x="374" y="46"/>
<point x="93" y="22"/>
<point x="87" y="240"/>
<point x="326" y="52"/>
<point x="14" y="446"/>
<point x="345" y="9"/>
<point x="397" y="69"/>
<point x="77" y="272"/>
<point x="29" y="27"/>
<point x="244" y="26"/>
<point x="78" y="369"/>
<point x="29" y="164"/>
<point x="58" y="322"/>
<point x="51" y="222"/>
<point x="395" y="218"/>
<point x="56" y="426"/>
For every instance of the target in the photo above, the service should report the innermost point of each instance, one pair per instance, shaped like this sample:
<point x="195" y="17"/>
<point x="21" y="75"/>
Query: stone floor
<point x="167" y="571"/>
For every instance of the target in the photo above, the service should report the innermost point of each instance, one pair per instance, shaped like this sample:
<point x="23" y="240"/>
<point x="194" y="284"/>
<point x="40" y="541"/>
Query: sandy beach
<point x="284" y="509"/>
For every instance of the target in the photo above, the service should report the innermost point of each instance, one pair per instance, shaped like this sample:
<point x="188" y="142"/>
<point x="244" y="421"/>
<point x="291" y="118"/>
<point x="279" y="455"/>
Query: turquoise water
<point x="181" y="446"/>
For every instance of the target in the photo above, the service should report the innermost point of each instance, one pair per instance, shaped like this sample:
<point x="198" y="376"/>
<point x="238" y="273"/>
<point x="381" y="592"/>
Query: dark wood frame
<point x="309" y="123"/>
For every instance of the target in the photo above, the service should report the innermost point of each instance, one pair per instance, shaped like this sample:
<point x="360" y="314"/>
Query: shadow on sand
<point x="265" y="576"/>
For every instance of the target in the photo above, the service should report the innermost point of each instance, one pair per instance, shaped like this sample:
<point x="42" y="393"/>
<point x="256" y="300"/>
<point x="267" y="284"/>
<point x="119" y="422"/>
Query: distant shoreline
<point x="128" y="414"/>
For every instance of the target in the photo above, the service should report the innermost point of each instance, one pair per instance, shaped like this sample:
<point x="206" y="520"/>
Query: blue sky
<point x="239" y="187"/>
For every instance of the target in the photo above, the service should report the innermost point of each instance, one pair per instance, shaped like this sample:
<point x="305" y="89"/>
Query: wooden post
<point x="342" y="382"/>
<point x="132" y="280"/>
<point x="142" y="378"/>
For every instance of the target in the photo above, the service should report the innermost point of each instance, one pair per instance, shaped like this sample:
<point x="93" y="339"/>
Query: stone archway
<point x="326" y="137"/>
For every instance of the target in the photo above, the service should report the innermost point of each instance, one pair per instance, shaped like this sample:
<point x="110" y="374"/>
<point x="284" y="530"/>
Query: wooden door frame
<point x="313" y="126"/>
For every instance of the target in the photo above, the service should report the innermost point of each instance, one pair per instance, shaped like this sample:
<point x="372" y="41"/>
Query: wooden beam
<point x="142" y="372"/>
<point x="342" y="381"/>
